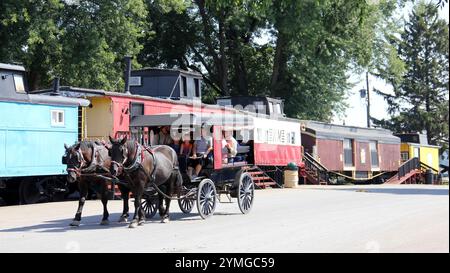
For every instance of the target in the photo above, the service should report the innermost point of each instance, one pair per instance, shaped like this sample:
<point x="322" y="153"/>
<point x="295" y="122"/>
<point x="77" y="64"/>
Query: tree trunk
<point x="279" y="63"/>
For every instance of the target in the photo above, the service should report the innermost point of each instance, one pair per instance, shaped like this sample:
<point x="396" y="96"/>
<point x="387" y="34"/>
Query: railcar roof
<point x="87" y="92"/>
<point x="334" y="131"/>
<point x="156" y="69"/>
<point x="71" y="91"/>
<point x="14" y="67"/>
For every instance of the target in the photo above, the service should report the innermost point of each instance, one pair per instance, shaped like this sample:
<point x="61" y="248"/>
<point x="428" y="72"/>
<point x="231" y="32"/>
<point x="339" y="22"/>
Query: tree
<point x="82" y="41"/>
<point x="311" y="47"/>
<point x="420" y="101"/>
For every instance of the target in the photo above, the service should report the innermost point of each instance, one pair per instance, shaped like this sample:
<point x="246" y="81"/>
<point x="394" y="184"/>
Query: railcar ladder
<point x="261" y="178"/>
<point x="316" y="173"/>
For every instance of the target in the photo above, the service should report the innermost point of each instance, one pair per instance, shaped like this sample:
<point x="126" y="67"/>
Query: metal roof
<point x="12" y="67"/>
<point x="334" y="131"/>
<point x="180" y="119"/>
<point x="46" y="99"/>
<point x="157" y="69"/>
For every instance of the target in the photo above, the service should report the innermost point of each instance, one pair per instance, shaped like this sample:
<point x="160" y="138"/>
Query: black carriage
<point x="222" y="177"/>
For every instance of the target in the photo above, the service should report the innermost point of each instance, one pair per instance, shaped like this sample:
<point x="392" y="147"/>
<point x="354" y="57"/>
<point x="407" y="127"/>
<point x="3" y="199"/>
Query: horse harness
<point x="86" y="168"/>
<point x="137" y="164"/>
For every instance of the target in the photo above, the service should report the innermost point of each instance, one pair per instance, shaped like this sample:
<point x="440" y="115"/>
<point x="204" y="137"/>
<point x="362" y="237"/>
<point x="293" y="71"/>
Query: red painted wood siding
<point x="331" y="154"/>
<point x="389" y="156"/>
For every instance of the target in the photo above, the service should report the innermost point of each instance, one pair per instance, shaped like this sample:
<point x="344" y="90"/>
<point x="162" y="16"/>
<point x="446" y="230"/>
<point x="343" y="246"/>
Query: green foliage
<point x="82" y="41"/>
<point x="311" y="46"/>
<point x="420" y="101"/>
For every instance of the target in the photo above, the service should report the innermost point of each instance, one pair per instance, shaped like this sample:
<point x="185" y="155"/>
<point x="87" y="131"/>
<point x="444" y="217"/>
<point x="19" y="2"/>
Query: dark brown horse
<point x="85" y="160"/>
<point x="143" y="168"/>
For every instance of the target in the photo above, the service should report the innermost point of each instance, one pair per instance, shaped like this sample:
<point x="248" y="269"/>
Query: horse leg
<point x="161" y="205"/>
<point x="137" y="207"/>
<point x="125" y="193"/>
<point x="105" y="220"/>
<point x="83" y="185"/>
<point x="168" y="192"/>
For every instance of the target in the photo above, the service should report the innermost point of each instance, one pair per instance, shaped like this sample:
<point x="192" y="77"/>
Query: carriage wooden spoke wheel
<point x="206" y="198"/>
<point x="186" y="204"/>
<point x="149" y="205"/>
<point x="246" y="192"/>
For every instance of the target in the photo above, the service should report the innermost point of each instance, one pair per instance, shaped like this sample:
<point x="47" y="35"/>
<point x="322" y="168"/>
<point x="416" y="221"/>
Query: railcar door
<point x="137" y="133"/>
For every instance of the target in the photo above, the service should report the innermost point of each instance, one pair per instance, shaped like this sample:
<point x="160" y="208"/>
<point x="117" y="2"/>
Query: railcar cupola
<point x="12" y="81"/>
<point x="166" y="83"/>
<point x="273" y="107"/>
<point x="413" y="138"/>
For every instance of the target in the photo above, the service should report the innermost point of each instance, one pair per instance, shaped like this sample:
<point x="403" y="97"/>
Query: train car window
<point x="374" y="153"/>
<point x="404" y="156"/>
<point x="57" y="117"/>
<point x="277" y="108"/>
<point x="270" y="107"/>
<point x="18" y="83"/>
<point x="184" y="86"/>
<point x="348" y="152"/>
<point x="197" y="87"/>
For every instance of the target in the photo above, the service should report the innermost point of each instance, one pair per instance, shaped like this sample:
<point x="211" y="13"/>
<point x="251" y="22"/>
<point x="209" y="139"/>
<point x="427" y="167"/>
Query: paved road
<point x="309" y="219"/>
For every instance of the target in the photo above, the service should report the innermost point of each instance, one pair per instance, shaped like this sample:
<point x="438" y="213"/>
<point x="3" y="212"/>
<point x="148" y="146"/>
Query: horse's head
<point x="73" y="159"/>
<point x="118" y="152"/>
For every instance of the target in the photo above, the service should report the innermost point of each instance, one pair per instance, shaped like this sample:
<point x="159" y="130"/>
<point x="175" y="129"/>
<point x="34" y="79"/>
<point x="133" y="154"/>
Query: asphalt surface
<point x="378" y="218"/>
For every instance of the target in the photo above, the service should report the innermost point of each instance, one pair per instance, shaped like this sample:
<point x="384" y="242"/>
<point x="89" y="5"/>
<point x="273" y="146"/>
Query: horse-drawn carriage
<point x="242" y="147"/>
<point x="221" y="175"/>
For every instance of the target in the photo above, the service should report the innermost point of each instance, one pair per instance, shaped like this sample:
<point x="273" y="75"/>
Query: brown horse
<point x="85" y="160"/>
<point x="143" y="167"/>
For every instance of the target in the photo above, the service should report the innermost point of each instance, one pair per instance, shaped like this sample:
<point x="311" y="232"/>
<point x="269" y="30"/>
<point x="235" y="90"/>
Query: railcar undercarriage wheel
<point x="149" y="204"/>
<point x="246" y="193"/>
<point x="45" y="189"/>
<point x="206" y="198"/>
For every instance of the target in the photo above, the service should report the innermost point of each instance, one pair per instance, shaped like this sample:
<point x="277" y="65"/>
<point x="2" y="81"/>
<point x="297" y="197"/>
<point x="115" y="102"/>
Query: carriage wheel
<point x="185" y="204"/>
<point x="206" y="198"/>
<point x="246" y="193"/>
<point x="149" y="206"/>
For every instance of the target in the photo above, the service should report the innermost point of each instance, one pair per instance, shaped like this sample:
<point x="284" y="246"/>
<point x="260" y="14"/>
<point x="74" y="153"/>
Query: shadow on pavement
<point x="406" y="191"/>
<point x="93" y="222"/>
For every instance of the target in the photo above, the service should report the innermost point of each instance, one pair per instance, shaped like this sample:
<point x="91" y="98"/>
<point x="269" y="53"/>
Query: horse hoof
<point x="104" y="223"/>
<point x="133" y="225"/>
<point x="75" y="223"/>
<point x="165" y="220"/>
<point x="123" y="220"/>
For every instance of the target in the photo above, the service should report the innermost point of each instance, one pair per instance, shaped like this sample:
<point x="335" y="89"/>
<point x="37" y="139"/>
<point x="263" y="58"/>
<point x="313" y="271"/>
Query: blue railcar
<point x="33" y="130"/>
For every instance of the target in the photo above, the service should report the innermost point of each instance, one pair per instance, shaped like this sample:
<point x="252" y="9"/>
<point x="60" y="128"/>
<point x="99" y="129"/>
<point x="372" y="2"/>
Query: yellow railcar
<point x="416" y="145"/>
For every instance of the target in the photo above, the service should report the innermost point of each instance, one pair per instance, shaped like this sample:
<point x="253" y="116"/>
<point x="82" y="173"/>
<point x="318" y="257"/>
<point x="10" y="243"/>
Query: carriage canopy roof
<point x="194" y="119"/>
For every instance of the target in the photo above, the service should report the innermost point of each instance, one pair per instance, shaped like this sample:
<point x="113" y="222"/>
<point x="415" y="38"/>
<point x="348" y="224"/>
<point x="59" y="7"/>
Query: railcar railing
<point x="314" y="167"/>
<point x="408" y="166"/>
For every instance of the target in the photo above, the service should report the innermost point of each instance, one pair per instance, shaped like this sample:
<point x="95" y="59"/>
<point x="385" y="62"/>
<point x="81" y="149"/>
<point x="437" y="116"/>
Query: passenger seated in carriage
<point x="163" y="137"/>
<point x="202" y="152"/>
<point x="229" y="147"/>
<point x="185" y="152"/>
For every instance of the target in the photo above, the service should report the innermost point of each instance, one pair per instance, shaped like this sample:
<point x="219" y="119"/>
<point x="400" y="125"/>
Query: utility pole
<point x="368" y="100"/>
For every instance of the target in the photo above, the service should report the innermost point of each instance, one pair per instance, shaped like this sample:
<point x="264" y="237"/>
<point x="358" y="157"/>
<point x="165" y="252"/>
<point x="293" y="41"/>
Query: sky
<point x="355" y="114"/>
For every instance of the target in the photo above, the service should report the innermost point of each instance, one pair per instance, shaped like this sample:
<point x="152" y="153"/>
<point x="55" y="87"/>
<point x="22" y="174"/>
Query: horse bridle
<point x="137" y="164"/>
<point x="120" y="166"/>
<point x="84" y="166"/>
